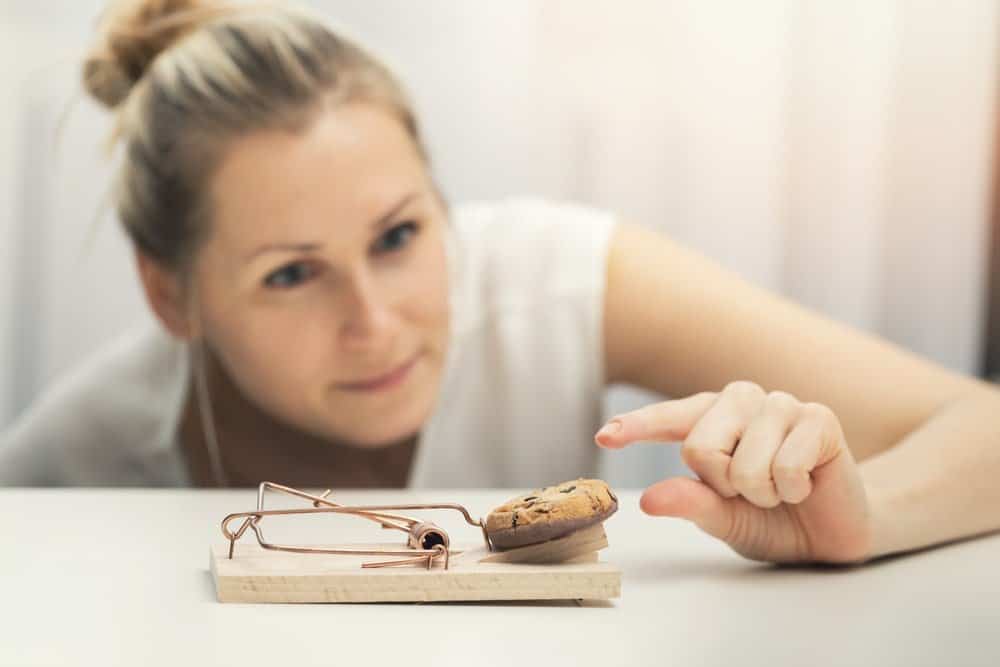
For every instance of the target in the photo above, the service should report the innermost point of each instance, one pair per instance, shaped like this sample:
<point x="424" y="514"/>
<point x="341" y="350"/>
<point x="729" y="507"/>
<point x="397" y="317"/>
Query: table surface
<point x="114" y="577"/>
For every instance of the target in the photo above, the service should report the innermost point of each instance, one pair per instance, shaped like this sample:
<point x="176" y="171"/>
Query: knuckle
<point x="768" y="502"/>
<point x="698" y="457"/>
<point x="817" y="411"/>
<point x="794" y="497"/>
<point x="789" y="472"/>
<point x="824" y="415"/>
<point x="781" y="402"/>
<point x="794" y="492"/>
<point x="744" y="390"/>
<point x="749" y="480"/>
<point x="757" y="489"/>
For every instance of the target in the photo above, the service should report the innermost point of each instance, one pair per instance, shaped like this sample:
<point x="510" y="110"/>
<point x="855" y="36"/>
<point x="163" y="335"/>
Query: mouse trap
<point x="540" y="546"/>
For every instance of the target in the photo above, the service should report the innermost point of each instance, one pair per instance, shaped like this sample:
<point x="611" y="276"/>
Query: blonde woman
<point x="327" y="319"/>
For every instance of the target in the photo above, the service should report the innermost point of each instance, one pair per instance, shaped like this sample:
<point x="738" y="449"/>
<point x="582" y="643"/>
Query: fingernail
<point x="611" y="428"/>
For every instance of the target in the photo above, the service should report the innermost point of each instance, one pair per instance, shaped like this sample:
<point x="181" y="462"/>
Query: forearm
<point x="942" y="481"/>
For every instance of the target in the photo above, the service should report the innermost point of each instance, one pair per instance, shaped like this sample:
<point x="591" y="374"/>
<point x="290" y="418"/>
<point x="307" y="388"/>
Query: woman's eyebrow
<point x="283" y="247"/>
<point x="381" y="222"/>
<point x="387" y="217"/>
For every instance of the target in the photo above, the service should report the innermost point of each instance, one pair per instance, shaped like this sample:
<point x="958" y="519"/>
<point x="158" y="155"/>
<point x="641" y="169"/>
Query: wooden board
<point x="259" y="575"/>
<point x="582" y="545"/>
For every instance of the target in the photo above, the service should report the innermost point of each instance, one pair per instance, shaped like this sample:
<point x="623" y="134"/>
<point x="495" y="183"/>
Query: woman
<point x="333" y="322"/>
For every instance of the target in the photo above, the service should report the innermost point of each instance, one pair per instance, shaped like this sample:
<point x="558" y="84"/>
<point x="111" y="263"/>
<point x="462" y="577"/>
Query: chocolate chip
<point x="567" y="490"/>
<point x="513" y="521"/>
<point x="531" y="498"/>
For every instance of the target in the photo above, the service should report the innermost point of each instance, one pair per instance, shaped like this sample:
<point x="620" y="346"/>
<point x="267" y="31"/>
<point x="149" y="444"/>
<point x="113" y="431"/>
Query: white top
<point x="520" y="396"/>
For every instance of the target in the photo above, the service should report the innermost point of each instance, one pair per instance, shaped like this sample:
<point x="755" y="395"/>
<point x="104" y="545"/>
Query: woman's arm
<point x="941" y="482"/>
<point x="678" y="324"/>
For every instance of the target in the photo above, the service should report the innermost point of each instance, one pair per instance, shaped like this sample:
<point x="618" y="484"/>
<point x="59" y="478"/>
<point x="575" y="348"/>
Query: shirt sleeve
<point x="30" y="449"/>
<point x="109" y="422"/>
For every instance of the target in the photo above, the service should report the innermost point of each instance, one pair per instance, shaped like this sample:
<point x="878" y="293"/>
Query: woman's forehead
<point x="350" y="165"/>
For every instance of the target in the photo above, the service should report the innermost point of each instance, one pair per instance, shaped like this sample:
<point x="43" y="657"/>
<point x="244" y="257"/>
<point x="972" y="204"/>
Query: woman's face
<point x="323" y="284"/>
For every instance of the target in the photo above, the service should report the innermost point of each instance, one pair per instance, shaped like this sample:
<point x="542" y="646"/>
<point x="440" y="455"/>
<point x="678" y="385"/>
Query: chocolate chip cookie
<point x="550" y="513"/>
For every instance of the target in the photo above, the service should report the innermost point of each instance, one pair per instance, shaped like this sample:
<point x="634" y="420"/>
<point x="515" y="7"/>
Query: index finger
<point x="668" y="421"/>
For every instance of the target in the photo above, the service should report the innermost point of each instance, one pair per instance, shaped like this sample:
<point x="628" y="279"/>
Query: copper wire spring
<point x="426" y="543"/>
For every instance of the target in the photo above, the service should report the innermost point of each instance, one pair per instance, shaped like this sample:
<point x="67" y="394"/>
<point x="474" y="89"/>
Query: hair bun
<point x="131" y="34"/>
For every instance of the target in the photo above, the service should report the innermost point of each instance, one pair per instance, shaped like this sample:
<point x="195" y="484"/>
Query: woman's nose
<point x="367" y="315"/>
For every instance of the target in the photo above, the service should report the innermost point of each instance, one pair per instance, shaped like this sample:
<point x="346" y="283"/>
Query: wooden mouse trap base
<point x="564" y="569"/>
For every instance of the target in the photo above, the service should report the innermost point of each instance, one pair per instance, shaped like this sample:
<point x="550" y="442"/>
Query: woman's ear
<point x="165" y="295"/>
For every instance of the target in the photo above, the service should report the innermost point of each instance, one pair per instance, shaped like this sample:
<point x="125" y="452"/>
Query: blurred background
<point x="839" y="152"/>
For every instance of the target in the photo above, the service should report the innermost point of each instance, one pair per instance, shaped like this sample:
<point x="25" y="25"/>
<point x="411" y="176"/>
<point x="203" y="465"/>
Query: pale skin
<point x="830" y="445"/>
<point x="811" y="442"/>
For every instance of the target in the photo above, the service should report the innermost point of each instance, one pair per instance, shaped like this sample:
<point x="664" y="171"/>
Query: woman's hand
<point x="778" y="482"/>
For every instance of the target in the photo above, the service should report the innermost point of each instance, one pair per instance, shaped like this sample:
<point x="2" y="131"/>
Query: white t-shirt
<point x="520" y="396"/>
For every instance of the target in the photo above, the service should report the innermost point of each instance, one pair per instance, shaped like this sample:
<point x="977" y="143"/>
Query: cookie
<point x="550" y="513"/>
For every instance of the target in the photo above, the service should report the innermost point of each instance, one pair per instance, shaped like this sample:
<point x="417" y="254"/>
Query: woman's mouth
<point x="384" y="382"/>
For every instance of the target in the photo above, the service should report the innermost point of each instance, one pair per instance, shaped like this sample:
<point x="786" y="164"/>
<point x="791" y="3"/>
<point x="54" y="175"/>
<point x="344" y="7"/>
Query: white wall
<point x="936" y="243"/>
<point x="8" y="243"/>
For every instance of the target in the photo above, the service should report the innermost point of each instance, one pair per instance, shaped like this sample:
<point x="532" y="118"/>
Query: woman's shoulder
<point x="96" y="423"/>
<point x="514" y="220"/>
<point x="527" y="368"/>
<point x="526" y="251"/>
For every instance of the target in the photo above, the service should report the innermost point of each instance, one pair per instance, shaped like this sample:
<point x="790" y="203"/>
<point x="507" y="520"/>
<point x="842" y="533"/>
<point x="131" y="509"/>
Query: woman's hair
<point x="187" y="77"/>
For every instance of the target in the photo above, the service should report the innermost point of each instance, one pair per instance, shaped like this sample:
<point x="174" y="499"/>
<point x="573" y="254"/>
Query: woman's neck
<point x="254" y="446"/>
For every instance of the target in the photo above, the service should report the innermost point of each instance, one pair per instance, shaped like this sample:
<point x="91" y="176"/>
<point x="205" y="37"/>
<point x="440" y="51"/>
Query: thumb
<point x="668" y="421"/>
<point x="690" y="499"/>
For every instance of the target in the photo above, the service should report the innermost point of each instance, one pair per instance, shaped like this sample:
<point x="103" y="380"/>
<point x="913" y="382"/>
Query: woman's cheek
<point x="428" y="283"/>
<point x="273" y="346"/>
<point x="299" y="343"/>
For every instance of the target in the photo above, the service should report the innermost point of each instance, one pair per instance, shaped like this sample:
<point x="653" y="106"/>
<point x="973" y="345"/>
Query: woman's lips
<point x="383" y="382"/>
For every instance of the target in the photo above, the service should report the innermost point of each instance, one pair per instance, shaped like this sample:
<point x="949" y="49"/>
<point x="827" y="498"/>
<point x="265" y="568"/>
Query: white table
<point x="119" y="577"/>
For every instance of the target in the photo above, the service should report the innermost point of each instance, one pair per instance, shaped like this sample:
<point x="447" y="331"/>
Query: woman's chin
<point x="385" y="419"/>
<point x="383" y="437"/>
<point x="377" y="429"/>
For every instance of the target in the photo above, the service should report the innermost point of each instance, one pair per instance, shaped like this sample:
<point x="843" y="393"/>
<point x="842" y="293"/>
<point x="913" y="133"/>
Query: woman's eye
<point x="396" y="238"/>
<point x="289" y="275"/>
